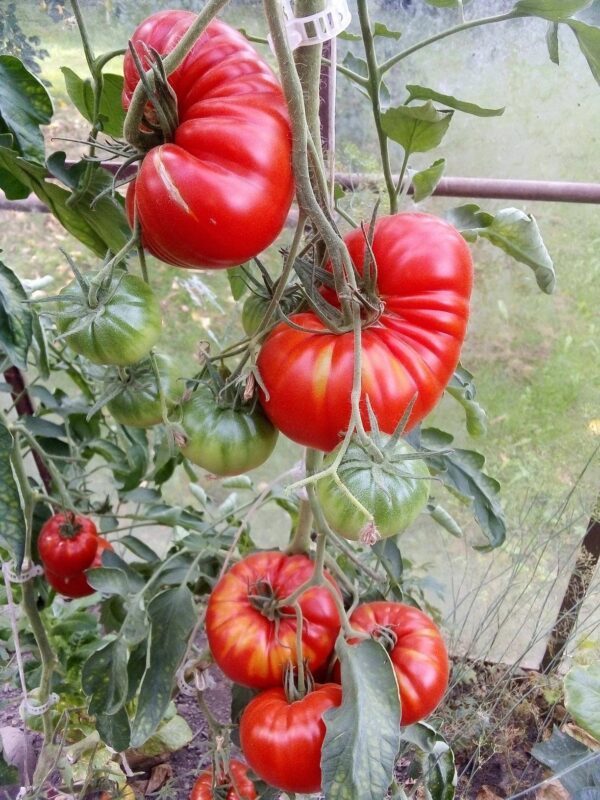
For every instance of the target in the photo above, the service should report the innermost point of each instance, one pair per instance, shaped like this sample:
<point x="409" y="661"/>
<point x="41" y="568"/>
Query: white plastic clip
<point x="316" y="28"/>
<point x="24" y="575"/>
<point x="202" y="681"/>
<point x="35" y="710"/>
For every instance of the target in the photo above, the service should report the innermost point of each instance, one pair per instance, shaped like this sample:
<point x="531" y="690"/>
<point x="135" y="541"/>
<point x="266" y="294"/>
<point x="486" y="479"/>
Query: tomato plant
<point x="225" y="439"/>
<point x="219" y="192"/>
<point x="282" y="739"/>
<point x="393" y="489"/>
<point x="138" y="402"/>
<point x="424" y="280"/>
<point x="416" y="649"/>
<point x="120" y="329"/>
<point x="235" y="782"/>
<point x="67" y="543"/>
<point x="251" y="638"/>
<point x="75" y="584"/>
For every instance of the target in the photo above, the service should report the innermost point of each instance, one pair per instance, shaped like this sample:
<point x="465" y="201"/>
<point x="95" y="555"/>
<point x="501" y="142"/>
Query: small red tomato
<point x="252" y="640"/>
<point x="77" y="585"/>
<point x="282" y="740"/>
<point x="236" y="782"/>
<point x="416" y="649"/>
<point x="67" y="543"/>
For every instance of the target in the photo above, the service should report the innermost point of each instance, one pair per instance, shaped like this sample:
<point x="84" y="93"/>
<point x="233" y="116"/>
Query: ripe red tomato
<point x="67" y="543"/>
<point x="425" y="276"/>
<point x="77" y="585"/>
<point x="416" y="649"/>
<point x="252" y="642"/>
<point x="220" y="192"/>
<point x="237" y="784"/>
<point x="282" y="741"/>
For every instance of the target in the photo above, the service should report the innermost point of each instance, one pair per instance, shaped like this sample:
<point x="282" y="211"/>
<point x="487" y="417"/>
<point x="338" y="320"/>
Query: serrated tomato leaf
<point x="172" y="616"/>
<point x="104" y="677"/>
<point x="24" y="106"/>
<point x="363" y="734"/>
<point x="12" y="530"/>
<point x="16" y="328"/>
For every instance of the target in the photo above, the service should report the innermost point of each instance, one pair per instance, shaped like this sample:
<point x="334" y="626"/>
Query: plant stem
<point x="135" y="114"/>
<point x="402" y="173"/>
<point x="301" y="540"/>
<point x="343" y="270"/>
<point x="299" y="649"/>
<point x="47" y="657"/>
<point x="374" y="86"/>
<point x="474" y="23"/>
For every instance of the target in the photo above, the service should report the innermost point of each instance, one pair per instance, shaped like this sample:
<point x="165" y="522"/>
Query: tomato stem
<point x="135" y="113"/>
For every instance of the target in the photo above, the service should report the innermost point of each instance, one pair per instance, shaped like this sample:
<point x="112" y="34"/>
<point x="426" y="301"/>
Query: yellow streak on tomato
<point x="321" y="372"/>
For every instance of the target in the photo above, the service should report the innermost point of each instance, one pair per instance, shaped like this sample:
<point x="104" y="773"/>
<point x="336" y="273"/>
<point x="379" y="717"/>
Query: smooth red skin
<point x="76" y="585"/>
<point x="419" y="658"/>
<point x="220" y="193"/>
<point x="64" y="555"/>
<point x="425" y="277"/>
<point x="282" y="741"/>
<point x="253" y="650"/>
<point x="242" y="787"/>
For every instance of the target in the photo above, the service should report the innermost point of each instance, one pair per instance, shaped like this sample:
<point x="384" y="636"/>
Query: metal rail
<point x="476" y="188"/>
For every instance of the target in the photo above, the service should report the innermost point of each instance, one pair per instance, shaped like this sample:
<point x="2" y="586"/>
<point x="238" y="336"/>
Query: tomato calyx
<point x="70" y="528"/>
<point x="264" y="598"/>
<point x="297" y="684"/>
<point x="160" y="118"/>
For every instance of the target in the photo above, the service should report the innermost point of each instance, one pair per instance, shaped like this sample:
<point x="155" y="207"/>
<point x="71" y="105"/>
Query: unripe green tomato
<point x="394" y="492"/>
<point x="121" y="330"/>
<point x="138" y="405"/>
<point x="224" y="440"/>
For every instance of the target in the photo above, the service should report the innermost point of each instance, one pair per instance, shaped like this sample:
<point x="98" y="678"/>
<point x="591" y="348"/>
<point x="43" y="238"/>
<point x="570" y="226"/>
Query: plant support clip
<point x="315" y="28"/>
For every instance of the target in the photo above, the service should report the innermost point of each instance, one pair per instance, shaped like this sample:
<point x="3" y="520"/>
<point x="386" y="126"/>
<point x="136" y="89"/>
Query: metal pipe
<point x="474" y="188"/>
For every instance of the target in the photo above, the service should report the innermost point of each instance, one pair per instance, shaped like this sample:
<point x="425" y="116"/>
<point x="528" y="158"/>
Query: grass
<point x="535" y="358"/>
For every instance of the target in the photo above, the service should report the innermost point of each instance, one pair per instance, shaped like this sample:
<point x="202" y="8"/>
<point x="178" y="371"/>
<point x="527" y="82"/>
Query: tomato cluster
<point x="252" y="633"/>
<point x="68" y="545"/>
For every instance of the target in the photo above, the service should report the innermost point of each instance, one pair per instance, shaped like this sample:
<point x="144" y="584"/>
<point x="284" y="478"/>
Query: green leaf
<point x="139" y="548"/>
<point x="363" y="734"/>
<point x="41" y="346"/>
<point x="445" y="520"/>
<point x="12" y="530"/>
<point x="11" y="186"/>
<point x="356" y="64"/>
<point x="462" y="389"/>
<point x="379" y="29"/>
<point x="514" y="232"/>
<point x="588" y="38"/>
<point x="237" y="282"/>
<point x="24" y="106"/>
<point x="9" y="775"/>
<point x="416" y="128"/>
<point x="106" y="216"/>
<point x="110" y="580"/>
<point x="435" y="761"/>
<point x="391" y="560"/>
<point x="104" y="677"/>
<point x="349" y="37"/>
<point x="462" y="471"/>
<point x="78" y="224"/>
<point x="82" y="95"/>
<point x="553" y="10"/>
<point x="568" y="758"/>
<point x="114" y="729"/>
<point x="171" y="736"/>
<point x="425" y="181"/>
<point x="172" y="617"/>
<point x="423" y="93"/>
<point x="552" y="42"/>
<point x="582" y="697"/>
<point x="16" y="327"/>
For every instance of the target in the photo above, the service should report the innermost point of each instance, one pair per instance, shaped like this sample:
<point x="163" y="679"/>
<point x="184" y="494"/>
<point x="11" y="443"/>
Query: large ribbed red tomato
<point x="251" y="640"/>
<point x="235" y="785"/>
<point x="416" y="649"/>
<point x="219" y="193"/>
<point x="282" y="741"/>
<point x="425" y="276"/>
